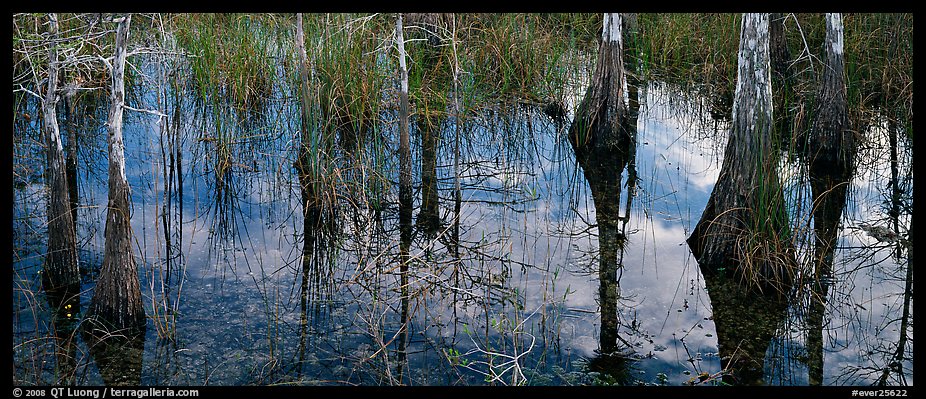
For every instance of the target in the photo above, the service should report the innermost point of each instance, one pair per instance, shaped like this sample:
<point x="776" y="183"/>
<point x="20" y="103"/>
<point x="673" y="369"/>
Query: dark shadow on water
<point x="747" y="321"/>
<point x="118" y="354"/>
<point x="65" y="315"/>
<point x="830" y="193"/>
<point x="615" y="368"/>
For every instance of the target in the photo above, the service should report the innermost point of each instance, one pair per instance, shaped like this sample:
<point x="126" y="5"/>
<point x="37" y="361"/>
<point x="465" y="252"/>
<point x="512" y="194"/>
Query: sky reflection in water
<point x="527" y="249"/>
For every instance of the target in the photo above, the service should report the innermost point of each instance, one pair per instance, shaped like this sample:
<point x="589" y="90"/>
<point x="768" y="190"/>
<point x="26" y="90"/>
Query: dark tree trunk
<point x="60" y="276"/>
<point x="832" y="146"/>
<point x="602" y="142"/>
<point x="71" y="153"/>
<point x="117" y="297"/>
<point x="613" y="359"/>
<point x="744" y="226"/>
<point x="405" y="196"/>
<point x="832" y="151"/>
<point x="815" y="324"/>
<point x="457" y="192"/>
<point x="778" y="44"/>
<point x="597" y="132"/>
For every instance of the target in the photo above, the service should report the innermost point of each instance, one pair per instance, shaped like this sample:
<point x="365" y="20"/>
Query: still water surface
<point x="519" y="306"/>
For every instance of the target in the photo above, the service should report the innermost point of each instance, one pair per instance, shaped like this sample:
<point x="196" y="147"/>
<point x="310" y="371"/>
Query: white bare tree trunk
<point x="405" y="158"/>
<point x="117" y="296"/>
<point x="744" y="224"/>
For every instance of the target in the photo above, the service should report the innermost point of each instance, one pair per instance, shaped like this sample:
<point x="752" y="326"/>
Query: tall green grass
<point x="700" y="49"/>
<point x="230" y="56"/>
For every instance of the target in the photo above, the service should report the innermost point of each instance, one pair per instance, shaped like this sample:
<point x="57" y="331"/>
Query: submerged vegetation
<point x="274" y="171"/>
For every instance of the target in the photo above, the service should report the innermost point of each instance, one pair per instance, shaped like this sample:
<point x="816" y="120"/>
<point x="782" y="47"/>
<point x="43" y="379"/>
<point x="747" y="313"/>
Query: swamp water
<point x="233" y="299"/>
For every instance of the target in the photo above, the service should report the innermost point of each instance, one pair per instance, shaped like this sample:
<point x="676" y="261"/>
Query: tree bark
<point x="831" y="149"/>
<point x="832" y="146"/>
<point x="71" y="153"/>
<point x="744" y="226"/>
<point x="60" y="275"/>
<point x="117" y="297"/>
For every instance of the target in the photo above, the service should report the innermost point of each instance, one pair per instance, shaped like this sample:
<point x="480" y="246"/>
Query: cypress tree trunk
<point x="832" y="150"/>
<point x="744" y="226"/>
<point x="832" y="146"/>
<point x="602" y="142"/>
<point x="117" y="297"/>
<point x="60" y="276"/>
